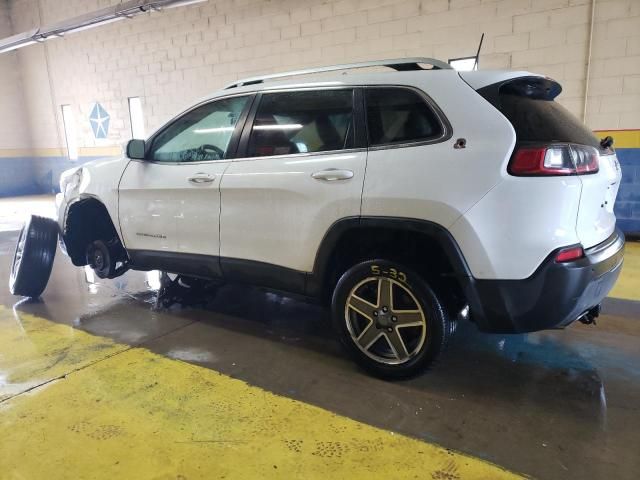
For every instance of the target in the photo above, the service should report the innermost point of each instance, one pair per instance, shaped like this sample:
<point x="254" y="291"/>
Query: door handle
<point x="332" y="174"/>
<point x="200" y="178"/>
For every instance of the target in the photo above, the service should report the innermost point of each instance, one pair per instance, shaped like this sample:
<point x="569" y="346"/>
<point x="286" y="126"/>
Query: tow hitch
<point x="589" y="318"/>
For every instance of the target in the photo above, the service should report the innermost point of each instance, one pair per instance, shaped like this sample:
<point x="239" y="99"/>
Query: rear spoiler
<point x="483" y="78"/>
<point x="537" y="88"/>
<point x="525" y="84"/>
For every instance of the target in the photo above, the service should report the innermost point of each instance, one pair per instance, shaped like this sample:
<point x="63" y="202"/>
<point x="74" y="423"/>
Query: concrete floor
<point x="552" y="405"/>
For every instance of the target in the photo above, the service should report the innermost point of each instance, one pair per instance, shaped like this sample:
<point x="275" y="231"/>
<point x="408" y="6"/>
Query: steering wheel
<point x="212" y="148"/>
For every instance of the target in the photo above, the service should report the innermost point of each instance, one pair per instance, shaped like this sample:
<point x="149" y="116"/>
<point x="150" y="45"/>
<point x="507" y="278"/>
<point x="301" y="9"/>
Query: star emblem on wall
<point x="99" y="119"/>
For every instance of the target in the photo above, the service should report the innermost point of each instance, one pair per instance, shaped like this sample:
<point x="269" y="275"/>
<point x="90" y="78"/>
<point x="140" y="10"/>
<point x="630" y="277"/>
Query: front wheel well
<point x="423" y="252"/>
<point x="87" y="220"/>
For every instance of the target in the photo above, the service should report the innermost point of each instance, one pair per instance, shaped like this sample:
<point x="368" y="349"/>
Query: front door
<point x="169" y="205"/>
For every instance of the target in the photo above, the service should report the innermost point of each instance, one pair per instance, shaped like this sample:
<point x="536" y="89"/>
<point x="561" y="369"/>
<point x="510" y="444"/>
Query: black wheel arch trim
<point x="307" y="284"/>
<point x="316" y="279"/>
<point x="76" y="201"/>
<point x="83" y="197"/>
<point x="505" y="306"/>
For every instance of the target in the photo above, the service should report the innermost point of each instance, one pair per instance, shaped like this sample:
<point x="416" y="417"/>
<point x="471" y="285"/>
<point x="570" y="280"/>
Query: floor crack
<point x="90" y="364"/>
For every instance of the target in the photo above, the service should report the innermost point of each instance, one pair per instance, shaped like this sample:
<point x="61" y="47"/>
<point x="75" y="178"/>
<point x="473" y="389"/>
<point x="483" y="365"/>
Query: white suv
<point x="402" y="198"/>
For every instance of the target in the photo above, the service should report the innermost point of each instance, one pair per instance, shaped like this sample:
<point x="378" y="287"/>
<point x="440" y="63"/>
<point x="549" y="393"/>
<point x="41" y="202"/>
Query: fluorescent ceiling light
<point x="16" y="46"/>
<point x="464" y="64"/>
<point x="95" y="24"/>
<point x="284" y="126"/>
<point x="183" y="3"/>
<point x="214" y="130"/>
<point x="124" y="9"/>
<point x="16" y="41"/>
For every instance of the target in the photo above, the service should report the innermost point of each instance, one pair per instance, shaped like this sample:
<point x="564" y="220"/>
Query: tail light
<point x="569" y="254"/>
<point x="553" y="160"/>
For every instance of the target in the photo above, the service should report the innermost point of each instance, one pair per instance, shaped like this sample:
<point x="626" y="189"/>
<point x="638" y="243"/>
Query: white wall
<point x="16" y="167"/>
<point x="13" y="131"/>
<point x="172" y="58"/>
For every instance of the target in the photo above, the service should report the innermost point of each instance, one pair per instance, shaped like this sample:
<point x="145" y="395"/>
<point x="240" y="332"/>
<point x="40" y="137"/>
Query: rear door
<point x="412" y="172"/>
<point x="301" y="171"/>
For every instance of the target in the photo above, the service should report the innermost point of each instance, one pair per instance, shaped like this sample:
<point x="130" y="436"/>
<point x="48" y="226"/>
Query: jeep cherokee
<point x="403" y="198"/>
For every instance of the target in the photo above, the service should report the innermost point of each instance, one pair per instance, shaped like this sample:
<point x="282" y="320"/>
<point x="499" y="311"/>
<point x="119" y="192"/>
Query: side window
<point x="301" y="122"/>
<point x="201" y="134"/>
<point x="398" y="115"/>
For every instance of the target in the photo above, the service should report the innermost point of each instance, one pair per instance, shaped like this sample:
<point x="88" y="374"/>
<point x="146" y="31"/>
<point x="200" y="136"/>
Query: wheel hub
<point x="98" y="259"/>
<point x="389" y="330"/>
<point x="383" y="319"/>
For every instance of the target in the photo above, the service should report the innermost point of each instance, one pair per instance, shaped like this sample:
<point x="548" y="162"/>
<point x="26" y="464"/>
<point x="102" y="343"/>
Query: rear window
<point x="538" y="120"/>
<point x="399" y="115"/>
<point x="528" y="104"/>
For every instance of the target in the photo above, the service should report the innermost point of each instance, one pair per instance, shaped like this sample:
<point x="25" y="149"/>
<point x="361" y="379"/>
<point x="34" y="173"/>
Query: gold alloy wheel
<point x="393" y="329"/>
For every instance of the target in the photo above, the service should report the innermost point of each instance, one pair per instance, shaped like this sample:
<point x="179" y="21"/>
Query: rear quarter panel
<point x="437" y="182"/>
<point x="505" y="226"/>
<point x="517" y="224"/>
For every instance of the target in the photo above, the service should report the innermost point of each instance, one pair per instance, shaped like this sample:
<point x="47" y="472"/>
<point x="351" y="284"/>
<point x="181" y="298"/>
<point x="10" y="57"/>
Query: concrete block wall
<point x="16" y="166"/>
<point x="171" y="58"/>
<point x="627" y="207"/>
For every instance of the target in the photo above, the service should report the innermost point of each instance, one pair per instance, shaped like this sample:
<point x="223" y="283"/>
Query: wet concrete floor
<point x="552" y="405"/>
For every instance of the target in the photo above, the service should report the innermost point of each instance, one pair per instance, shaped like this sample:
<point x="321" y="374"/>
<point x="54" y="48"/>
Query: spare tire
<point x="33" y="259"/>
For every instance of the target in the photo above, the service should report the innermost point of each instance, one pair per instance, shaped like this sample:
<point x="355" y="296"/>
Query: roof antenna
<point x="475" y="64"/>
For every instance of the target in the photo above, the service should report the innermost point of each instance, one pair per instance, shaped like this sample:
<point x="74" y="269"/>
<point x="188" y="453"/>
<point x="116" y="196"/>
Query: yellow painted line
<point x="622" y="138"/>
<point x="628" y="284"/>
<point x="136" y="414"/>
<point x="107" y="151"/>
<point x="32" y="152"/>
<point x="33" y="351"/>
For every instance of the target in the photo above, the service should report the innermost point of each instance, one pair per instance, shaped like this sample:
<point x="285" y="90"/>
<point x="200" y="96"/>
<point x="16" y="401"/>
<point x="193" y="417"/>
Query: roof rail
<point x="399" y="64"/>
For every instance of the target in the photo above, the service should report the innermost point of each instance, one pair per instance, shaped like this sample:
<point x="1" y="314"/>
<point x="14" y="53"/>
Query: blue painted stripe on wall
<point x="30" y="175"/>
<point x="627" y="207"/>
<point x="33" y="175"/>
<point x="17" y="177"/>
<point x="48" y="169"/>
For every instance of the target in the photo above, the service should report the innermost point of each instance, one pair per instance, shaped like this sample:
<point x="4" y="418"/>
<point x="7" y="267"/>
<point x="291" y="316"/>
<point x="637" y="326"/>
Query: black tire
<point x="33" y="258"/>
<point x="425" y="344"/>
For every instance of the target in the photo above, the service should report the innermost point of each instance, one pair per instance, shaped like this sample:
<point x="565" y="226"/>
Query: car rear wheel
<point x="33" y="258"/>
<point x="389" y="319"/>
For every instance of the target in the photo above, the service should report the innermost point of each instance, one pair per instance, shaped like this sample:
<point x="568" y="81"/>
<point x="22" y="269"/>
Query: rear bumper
<point x="553" y="297"/>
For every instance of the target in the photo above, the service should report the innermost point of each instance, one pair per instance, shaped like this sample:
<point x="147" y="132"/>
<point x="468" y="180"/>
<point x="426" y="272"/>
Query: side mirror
<point x="136" y="149"/>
